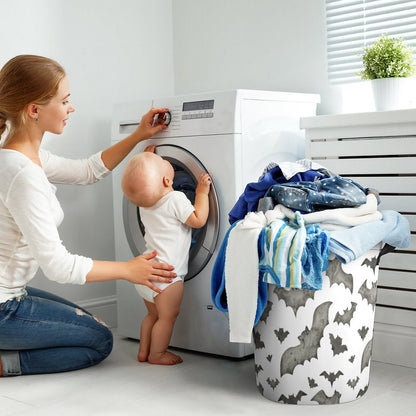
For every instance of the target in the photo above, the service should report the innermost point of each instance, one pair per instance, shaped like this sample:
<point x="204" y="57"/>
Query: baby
<point x="168" y="217"/>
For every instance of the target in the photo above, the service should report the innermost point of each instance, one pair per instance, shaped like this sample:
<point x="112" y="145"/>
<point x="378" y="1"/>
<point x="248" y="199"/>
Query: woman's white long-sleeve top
<point x="30" y="214"/>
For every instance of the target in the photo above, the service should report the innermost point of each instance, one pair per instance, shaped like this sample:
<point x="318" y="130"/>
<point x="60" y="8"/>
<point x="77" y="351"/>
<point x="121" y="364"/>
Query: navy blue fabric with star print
<point x="333" y="192"/>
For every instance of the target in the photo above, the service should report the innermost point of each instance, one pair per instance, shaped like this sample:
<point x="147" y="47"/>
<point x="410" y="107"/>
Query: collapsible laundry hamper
<point x="314" y="347"/>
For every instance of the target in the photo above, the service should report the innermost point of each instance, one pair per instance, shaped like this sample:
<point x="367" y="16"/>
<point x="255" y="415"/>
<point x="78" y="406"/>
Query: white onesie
<point x="166" y="232"/>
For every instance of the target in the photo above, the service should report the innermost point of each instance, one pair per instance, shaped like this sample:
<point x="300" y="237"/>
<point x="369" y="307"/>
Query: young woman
<point x="39" y="332"/>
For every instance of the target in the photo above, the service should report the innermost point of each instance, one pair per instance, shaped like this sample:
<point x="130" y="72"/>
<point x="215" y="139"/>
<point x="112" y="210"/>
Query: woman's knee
<point x="104" y="344"/>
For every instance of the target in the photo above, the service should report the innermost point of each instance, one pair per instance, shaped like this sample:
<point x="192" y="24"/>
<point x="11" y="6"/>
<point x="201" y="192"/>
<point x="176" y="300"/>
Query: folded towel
<point x="340" y="218"/>
<point x="349" y="244"/>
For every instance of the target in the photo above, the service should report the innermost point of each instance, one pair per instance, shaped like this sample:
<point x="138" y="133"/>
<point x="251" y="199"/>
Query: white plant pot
<point x="392" y="93"/>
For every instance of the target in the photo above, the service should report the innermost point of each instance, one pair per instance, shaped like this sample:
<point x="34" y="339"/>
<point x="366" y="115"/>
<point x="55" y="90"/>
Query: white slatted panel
<point x="378" y="150"/>
<point x="405" y="299"/>
<point x="354" y="24"/>
<point x="365" y="146"/>
<point x="404" y="280"/>
<point x="355" y="166"/>
<point x="387" y="164"/>
<point x="399" y="261"/>
<point x="395" y="316"/>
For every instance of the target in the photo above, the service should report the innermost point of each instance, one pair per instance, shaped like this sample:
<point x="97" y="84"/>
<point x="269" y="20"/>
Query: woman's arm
<point x="137" y="270"/>
<point x="34" y="222"/>
<point x="116" y="153"/>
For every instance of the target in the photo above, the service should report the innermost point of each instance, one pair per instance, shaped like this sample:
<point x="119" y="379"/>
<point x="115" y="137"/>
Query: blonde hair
<point x="142" y="181"/>
<point x="26" y="79"/>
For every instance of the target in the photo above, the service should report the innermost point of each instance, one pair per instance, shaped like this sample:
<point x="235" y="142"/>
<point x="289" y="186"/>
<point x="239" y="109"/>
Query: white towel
<point x="241" y="271"/>
<point x="340" y="218"/>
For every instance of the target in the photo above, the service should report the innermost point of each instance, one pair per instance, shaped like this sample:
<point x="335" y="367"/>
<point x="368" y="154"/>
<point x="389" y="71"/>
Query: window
<point x="354" y="24"/>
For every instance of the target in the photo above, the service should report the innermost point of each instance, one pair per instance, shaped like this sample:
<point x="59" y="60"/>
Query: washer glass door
<point x="187" y="169"/>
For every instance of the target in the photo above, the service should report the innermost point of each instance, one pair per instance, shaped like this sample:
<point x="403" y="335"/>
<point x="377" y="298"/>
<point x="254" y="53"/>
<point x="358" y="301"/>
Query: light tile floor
<point x="202" y="385"/>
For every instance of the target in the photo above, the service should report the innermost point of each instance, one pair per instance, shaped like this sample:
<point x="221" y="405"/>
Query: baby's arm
<point x="199" y="217"/>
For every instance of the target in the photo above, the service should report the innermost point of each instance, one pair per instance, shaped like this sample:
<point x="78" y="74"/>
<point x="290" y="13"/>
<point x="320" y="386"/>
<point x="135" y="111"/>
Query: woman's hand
<point x="151" y="148"/>
<point x="147" y="128"/>
<point x="112" y="156"/>
<point x="139" y="270"/>
<point x="145" y="272"/>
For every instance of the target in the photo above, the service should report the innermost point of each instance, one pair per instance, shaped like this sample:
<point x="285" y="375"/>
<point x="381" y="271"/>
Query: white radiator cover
<point x="378" y="150"/>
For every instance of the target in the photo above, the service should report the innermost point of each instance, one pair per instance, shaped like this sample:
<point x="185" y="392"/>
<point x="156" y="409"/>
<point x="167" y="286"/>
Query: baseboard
<point x="105" y="308"/>
<point x="394" y="344"/>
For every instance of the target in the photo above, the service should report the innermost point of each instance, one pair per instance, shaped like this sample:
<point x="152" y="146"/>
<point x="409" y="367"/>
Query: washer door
<point x="187" y="169"/>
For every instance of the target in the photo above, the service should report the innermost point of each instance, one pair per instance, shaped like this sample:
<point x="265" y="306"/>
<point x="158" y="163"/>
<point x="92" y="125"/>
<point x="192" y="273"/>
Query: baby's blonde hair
<point x="142" y="181"/>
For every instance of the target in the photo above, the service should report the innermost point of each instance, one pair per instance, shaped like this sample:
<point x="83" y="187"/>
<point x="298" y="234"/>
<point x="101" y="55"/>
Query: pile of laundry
<point x="285" y="226"/>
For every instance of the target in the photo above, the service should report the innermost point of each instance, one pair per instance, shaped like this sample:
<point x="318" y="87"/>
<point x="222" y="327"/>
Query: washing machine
<point x="232" y="135"/>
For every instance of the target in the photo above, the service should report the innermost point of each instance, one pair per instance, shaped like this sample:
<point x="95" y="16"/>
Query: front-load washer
<point x="232" y="135"/>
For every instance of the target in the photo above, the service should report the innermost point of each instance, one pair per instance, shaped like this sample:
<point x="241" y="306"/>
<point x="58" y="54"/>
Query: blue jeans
<point x="43" y="333"/>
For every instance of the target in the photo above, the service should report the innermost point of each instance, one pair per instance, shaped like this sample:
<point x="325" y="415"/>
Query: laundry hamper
<point x="314" y="347"/>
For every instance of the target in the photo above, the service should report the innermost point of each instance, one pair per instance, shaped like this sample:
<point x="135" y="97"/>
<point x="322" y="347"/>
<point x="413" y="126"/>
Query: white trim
<point x="394" y="344"/>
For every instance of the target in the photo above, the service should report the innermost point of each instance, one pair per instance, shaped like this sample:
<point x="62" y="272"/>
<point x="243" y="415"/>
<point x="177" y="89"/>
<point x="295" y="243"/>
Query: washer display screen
<point x="198" y="105"/>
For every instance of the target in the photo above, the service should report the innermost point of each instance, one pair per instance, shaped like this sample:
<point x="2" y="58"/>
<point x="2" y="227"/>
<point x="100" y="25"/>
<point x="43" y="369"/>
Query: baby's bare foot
<point x="142" y="356"/>
<point x="165" y="358"/>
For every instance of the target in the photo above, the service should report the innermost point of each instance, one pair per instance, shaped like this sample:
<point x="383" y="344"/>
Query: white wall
<point x="254" y="44"/>
<point x="112" y="52"/>
<point x="120" y="50"/>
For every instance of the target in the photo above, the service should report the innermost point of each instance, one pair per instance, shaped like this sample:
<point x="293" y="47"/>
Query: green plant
<point x="387" y="58"/>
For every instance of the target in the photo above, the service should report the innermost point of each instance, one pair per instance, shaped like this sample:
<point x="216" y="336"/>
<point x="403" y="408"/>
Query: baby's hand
<point x="204" y="183"/>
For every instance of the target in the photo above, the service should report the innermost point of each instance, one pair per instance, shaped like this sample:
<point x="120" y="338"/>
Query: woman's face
<point x="52" y="116"/>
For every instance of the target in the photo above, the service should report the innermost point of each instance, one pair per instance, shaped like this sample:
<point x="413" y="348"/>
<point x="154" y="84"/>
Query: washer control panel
<point x="192" y="110"/>
<point x="212" y="113"/>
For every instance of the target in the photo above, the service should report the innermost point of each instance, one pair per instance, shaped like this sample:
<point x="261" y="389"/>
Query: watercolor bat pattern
<point x="336" y="344"/>
<point x="314" y="347"/>
<point x="338" y="276"/>
<point x="369" y="294"/>
<point x="322" y="398"/>
<point x="348" y="314"/>
<point x="309" y="341"/>
<point x="281" y="334"/>
<point x="266" y="311"/>
<point x="372" y="263"/>
<point x="292" y="399"/>
<point x="331" y="377"/>
<point x="294" y="298"/>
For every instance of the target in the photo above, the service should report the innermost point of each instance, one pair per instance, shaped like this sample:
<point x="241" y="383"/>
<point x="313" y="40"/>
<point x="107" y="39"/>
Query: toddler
<point x="168" y="217"/>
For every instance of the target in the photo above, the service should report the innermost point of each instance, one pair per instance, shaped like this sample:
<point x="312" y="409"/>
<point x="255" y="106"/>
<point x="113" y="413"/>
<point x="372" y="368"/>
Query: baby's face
<point x="167" y="169"/>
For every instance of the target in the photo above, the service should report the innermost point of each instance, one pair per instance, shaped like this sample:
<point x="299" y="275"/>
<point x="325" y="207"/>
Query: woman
<point x="39" y="332"/>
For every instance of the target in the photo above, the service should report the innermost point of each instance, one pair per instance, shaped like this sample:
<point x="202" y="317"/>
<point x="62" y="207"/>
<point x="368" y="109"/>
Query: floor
<point x="201" y="385"/>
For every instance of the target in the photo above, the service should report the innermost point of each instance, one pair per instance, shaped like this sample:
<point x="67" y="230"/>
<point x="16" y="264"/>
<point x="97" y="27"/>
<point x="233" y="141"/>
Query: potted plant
<point x="387" y="63"/>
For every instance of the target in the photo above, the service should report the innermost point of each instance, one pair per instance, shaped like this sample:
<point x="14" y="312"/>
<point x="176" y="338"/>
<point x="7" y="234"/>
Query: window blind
<point x="355" y="24"/>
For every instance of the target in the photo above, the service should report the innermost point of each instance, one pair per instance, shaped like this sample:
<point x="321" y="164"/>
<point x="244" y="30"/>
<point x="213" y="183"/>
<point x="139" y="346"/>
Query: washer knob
<point x="162" y="118"/>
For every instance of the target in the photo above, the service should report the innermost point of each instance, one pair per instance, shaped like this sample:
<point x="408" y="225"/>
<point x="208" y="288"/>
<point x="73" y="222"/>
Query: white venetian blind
<point x="354" y="24"/>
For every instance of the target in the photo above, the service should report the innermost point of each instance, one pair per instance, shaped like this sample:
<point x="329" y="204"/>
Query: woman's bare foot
<point x="165" y="358"/>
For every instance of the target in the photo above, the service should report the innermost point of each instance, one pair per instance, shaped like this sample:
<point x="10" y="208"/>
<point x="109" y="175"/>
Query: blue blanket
<point x="248" y="201"/>
<point x="349" y="244"/>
